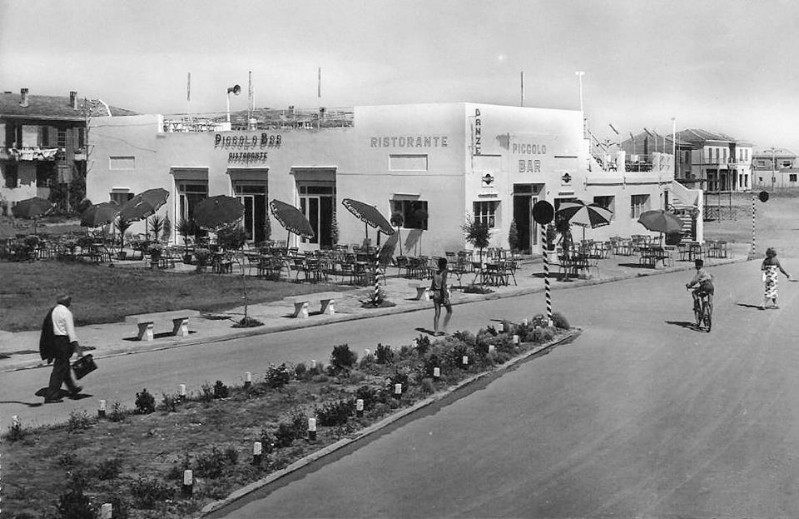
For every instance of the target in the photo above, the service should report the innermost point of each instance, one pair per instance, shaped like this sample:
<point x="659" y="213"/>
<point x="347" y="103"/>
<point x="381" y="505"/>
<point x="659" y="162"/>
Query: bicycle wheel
<point x="707" y="318"/>
<point x="698" y="314"/>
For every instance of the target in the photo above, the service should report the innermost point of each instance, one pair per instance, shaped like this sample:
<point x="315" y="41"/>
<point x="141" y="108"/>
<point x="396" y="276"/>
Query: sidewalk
<point x="20" y="350"/>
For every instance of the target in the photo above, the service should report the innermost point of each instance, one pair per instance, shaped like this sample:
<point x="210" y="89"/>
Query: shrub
<point x="169" y="403"/>
<point x="369" y="395"/>
<point x="367" y="361"/>
<point x="145" y="402"/>
<point x="231" y="238"/>
<point x="559" y="321"/>
<point x="423" y="344"/>
<point x="342" y="358"/>
<point x="300" y="371"/>
<point x="74" y="504"/>
<point x="267" y="441"/>
<point x="284" y="436"/>
<point x="539" y="321"/>
<point x="79" y="421"/>
<point x="147" y="492"/>
<point x="207" y="394"/>
<point x="117" y="413"/>
<point x="428" y="386"/>
<point x="384" y="354"/>
<point x="317" y="369"/>
<point x="15" y="432"/>
<point x="335" y="413"/>
<point x="211" y="464"/>
<point x="220" y="390"/>
<point x="278" y="376"/>
<point x="108" y="469"/>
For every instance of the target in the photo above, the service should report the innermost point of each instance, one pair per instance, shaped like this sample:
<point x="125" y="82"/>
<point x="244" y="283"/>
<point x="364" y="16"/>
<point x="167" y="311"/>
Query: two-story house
<point x="775" y="168"/>
<point x="43" y="143"/>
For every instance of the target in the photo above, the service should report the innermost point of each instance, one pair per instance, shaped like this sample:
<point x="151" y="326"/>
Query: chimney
<point x="24" y="94"/>
<point x="73" y="99"/>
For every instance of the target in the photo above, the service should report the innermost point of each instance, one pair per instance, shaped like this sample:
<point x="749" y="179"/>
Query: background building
<point x="775" y="168"/>
<point x="44" y="145"/>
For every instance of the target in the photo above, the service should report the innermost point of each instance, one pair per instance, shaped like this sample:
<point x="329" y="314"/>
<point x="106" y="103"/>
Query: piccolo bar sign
<point x="247" y="141"/>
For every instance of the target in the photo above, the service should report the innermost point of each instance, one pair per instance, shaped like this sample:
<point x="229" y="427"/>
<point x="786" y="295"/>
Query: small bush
<point x="384" y="354"/>
<point x="369" y="395"/>
<point x="300" y="371"/>
<point x="211" y="464"/>
<point x="79" y="421"/>
<point x="367" y="361"/>
<point x="336" y="413"/>
<point x="559" y="321"/>
<point x="74" y="504"/>
<point x="15" y="432"/>
<point x="169" y="403"/>
<point x="277" y="376"/>
<point x="207" y="394"/>
<point x="117" y="413"/>
<point x="284" y="435"/>
<point x="342" y="358"/>
<point x="148" y="492"/>
<point x="108" y="469"/>
<point x="145" y="402"/>
<point x="423" y="345"/>
<point x="317" y="369"/>
<point x="267" y="441"/>
<point x="428" y="386"/>
<point x="220" y="390"/>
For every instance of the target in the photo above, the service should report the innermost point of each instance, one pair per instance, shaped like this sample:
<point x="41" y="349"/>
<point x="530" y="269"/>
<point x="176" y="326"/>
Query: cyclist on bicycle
<point x="703" y="282"/>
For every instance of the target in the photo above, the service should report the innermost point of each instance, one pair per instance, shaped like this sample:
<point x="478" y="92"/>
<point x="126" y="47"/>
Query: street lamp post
<point x="580" y="75"/>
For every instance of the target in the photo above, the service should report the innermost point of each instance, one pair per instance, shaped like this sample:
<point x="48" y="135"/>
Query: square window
<point x="414" y="213"/>
<point x="485" y="212"/>
<point x="638" y="204"/>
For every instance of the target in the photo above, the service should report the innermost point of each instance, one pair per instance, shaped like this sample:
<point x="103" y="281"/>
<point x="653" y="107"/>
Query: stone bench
<point x="325" y="299"/>
<point x="145" y="322"/>
<point x="422" y="291"/>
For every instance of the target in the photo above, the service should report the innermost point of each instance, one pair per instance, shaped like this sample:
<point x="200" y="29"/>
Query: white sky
<point x="724" y="65"/>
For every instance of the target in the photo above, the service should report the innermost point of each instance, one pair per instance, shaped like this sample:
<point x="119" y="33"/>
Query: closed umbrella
<point x="32" y="209"/>
<point x="217" y="212"/>
<point x="368" y="214"/>
<point x="144" y="204"/>
<point x="99" y="214"/>
<point x="291" y="219"/>
<point x="585" y="215"/>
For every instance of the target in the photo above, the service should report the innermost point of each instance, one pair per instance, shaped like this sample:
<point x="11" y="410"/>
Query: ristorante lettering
<point x="247" y="156"/>
<point x="409" y="141"/>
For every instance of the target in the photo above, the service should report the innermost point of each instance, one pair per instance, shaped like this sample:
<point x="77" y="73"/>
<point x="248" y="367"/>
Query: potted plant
<point x="186" y="228"/>
<point x="513" y="236"/>
<point x="122" y="226"/>
<point x="202" y="256"/>
<point x="155" y="225"/>
<point x="479" y="235"/>
<point x="398" y="220"/>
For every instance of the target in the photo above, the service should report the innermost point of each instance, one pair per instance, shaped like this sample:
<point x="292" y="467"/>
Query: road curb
<point x="382" y="424"/>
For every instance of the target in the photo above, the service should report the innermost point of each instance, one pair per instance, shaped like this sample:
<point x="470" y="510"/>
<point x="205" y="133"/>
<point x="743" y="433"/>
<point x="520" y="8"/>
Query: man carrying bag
<point x="57" y="344"/>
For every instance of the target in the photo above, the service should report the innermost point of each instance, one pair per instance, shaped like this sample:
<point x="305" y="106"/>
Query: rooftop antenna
<point x="522" y="101"/>
<point x="188" y="96"/>
<point x="250" y="99"/>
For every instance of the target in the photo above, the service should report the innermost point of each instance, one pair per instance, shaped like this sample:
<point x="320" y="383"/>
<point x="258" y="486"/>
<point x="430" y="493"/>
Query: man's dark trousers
<point x="61" y="369"/>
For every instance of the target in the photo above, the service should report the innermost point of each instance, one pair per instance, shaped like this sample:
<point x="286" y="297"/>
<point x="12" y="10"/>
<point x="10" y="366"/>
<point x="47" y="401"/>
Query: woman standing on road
<point x="440" y="296"/>
<point x="769" y="267"/>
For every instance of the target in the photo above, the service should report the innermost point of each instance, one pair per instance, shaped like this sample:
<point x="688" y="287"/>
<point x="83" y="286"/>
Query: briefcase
<point x="83" y="366"/>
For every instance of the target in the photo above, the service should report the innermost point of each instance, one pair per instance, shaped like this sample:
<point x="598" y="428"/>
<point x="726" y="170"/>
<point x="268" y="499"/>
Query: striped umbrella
<point x="291" y="219"/>
<point x="585" y="215"/>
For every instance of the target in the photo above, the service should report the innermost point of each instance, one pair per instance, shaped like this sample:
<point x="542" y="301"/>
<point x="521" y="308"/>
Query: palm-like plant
<point x="155" y="225"/>
<point x="122" y="225"/>
<point x="478" y="234"/>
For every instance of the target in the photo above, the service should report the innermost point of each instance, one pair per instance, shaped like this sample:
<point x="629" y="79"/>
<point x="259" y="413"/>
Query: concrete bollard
<point x="465" y="361"/>
<point x="188" y="483"/>
<point x="359" y="407"/>
<point x="15" y="423"/>
<point x="257" y="457"/>
<point x="501" y="327"/>
<point x="247" y="380"/>
<point x="366" y="352"/>
<point x="312" y="429"/>
<point x="106" y="511"/>
<point x="313" y="364"/>
<point x="525" y="322"/>
<point x="101" y="409"/>
<point x="415" y="343"/>
<point x="436" y="372"/>
<point x="491" y="348"/>
<point x="397" y="391"/>
<point x="182" y="392"/>
<point x="515" y="339"/>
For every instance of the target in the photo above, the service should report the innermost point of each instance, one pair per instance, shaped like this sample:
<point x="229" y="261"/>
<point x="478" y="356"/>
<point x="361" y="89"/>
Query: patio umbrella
<point x="32" y="209"/>
<point x="370" y="215"/>
<point x="144" y="204"/>
<point x="660" y="220"/>
<point x="217" y="212"/>
<point x="291" y="219"/>
<point x="99" y="214"/>
<point x="585" y="215"/>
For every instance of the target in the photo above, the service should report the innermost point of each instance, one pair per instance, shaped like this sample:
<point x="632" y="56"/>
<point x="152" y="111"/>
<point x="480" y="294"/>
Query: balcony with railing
<point x="261" y="119"/>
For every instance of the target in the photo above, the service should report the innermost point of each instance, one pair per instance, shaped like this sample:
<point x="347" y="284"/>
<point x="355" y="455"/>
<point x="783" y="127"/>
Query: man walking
<point x="58" y="343"/>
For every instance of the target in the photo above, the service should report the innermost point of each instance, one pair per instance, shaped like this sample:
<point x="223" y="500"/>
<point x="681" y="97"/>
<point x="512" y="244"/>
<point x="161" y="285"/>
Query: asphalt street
<point x="641" y="416"/>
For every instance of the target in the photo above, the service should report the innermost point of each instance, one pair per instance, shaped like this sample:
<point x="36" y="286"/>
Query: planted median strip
<point x="178" y="455"/>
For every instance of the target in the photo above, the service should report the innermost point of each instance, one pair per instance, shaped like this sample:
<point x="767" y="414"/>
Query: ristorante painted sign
<point x="409" y="141"/>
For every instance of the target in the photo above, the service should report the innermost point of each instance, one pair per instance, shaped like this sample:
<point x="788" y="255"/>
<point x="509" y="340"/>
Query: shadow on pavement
<point x="684" y="324"/>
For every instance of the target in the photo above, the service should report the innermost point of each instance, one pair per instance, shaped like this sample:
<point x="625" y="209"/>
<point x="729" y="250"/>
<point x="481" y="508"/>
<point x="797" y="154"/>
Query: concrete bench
<point x="326" y="299"/>
<point x="179" y="318"/>
<point x="422" y="291"/>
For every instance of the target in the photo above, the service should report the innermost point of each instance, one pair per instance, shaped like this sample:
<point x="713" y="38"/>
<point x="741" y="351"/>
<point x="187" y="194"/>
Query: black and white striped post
<point x="543" y="214"/>
<point x="763" y="197"/>
<point x="376" y="300"/>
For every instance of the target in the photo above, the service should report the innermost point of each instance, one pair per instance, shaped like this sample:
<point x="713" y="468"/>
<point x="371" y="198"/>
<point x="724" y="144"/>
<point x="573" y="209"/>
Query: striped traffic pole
<point x="377" y="286"/>
<point x="544" y="247"/>
<point x="753" y="225"/>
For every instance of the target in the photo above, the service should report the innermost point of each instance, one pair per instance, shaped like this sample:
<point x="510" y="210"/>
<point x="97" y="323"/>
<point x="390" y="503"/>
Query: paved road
<point x="640" y="417"/>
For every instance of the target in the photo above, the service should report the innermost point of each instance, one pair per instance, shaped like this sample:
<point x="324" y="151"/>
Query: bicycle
<point x="702" y="311"/>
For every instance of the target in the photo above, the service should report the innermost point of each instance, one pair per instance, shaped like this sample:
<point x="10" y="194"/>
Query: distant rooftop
<point x="33" y="106"/>
<point x="261" y="119"/>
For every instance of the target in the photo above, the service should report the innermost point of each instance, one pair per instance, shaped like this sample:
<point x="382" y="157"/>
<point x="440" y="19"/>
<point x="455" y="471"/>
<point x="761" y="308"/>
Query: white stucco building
<point x="436" y="163"/>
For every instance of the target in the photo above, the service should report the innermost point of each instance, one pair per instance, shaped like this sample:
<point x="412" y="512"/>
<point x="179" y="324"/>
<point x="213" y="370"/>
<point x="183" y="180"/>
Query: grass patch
<point x="105" y="295"/>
